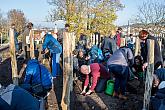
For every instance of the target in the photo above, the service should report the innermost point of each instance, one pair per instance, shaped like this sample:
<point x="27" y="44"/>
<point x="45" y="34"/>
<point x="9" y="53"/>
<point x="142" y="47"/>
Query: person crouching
<point x="99" y="75"/>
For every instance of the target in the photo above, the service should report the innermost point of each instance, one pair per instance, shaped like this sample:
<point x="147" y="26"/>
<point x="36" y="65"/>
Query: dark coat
<point x="157" y="53"/>
<point x="107" y="44"/>
<point x="158" y="102"/>
<point x="15" y="98"/>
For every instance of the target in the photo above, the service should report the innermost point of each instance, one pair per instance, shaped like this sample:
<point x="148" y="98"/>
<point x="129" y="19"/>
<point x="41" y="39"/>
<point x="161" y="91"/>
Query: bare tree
<point x="151" y="13"/>
<point x="3" y="26"/>
<point x="18" y="18"/>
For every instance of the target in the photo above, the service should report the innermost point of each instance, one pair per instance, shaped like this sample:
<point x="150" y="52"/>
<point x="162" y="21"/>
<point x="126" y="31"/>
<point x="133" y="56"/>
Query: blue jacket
<point x="15" y="98"/>
<point x="52" y="44"/>
<point x="33" y="74"/>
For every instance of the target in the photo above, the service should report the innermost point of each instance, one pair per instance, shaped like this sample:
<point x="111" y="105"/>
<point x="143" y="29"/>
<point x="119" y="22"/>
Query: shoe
<point x="122" y="97"/>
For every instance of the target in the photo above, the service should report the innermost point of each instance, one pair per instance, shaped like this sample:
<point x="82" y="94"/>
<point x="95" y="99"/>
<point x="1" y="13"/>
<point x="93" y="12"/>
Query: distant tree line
<point x="151" y="15"/>
<point x="14" y="16"/>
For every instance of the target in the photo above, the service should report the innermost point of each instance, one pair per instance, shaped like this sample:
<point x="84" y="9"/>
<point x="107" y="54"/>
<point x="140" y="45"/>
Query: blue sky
<point x="37" y="10"/>
<point x="128" y="12"/>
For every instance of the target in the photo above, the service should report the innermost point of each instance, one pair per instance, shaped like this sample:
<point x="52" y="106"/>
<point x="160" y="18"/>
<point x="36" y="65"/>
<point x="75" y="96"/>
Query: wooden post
<point x="31" y="45"/>
<point x="137" y="46"/>
<point x="67" y="71"/>
<point x="149" y="75"/>
<point x="1" y="39"/>
<point x="122" y="42"/>
<point x="160" y="44"/>
<point x="13" y="57"/>
<point x="93" y="37"/>
<point x="96" y="38"/>
<point x="72" y="39"/>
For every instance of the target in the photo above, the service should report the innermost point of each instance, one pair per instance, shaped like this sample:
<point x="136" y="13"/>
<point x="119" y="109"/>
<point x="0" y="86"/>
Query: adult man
<point x="118" y="64"/>
<point x="37" y="74"/>
<point x="55" y="49"/>
<point x="158" y="61"/>
<point x="118" y="37"/>
<point x="106" y="45"/>
<point x="99" y="76"/>
<point x="25" y="45"/>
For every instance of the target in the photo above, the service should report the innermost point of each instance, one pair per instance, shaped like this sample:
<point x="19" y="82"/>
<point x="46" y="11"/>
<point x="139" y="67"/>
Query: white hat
<point x="161" y="85"/>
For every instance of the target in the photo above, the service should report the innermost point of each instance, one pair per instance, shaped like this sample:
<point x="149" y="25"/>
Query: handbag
<point x="38" y="88"/>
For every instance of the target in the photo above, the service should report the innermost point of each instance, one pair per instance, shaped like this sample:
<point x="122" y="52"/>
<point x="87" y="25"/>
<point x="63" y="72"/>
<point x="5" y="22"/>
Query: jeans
<point x="120" y="79"/>
<point x="59" y="71"/>
<point x="54" y="65"/>
<point x="101" y="84"/>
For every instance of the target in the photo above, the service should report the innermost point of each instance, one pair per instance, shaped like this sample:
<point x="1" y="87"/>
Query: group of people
<point x="120" y="64"/>
<point x="37" y="79"/>
<point x="94" y="66"/>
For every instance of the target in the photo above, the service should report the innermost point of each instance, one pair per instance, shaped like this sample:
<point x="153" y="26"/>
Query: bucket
<point x="110" y="87"/>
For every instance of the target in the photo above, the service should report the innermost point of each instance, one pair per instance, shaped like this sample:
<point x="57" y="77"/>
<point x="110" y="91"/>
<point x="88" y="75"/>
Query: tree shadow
<point x="6" y="71"/>
<point x="58" y="87"/>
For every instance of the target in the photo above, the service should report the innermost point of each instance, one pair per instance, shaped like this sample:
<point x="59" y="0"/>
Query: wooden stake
<point x="13" y="57"/>
<point x="93" y="39"/>
<point x="137" y="46"/>
<point x="31" y="45"/>
<point x="122" y="42"/>
<point x="149" y="75"/>
<point x="67" y="70"/>
<point x="160" y="44"/>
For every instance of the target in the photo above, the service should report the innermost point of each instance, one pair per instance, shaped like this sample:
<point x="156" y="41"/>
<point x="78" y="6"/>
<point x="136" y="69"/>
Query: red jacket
<point x="118" y="41"/>
<point x="97" y="71"/>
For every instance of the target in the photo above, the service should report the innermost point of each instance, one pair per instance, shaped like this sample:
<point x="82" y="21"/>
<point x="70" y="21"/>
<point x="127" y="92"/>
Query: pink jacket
<point x="97" y="71"/>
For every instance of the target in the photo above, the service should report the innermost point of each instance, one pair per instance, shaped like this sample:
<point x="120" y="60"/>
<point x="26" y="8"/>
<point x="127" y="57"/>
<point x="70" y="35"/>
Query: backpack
<point x="96" y="53"/>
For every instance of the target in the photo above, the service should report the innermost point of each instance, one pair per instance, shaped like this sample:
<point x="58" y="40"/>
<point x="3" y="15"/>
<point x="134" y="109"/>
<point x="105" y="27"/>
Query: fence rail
<point x="4" y="48"/>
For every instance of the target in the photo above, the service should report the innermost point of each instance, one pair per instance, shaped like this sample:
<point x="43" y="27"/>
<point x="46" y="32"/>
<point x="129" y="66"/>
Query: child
<point x="137" y="68"/>
<point x="81" y="61"/>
